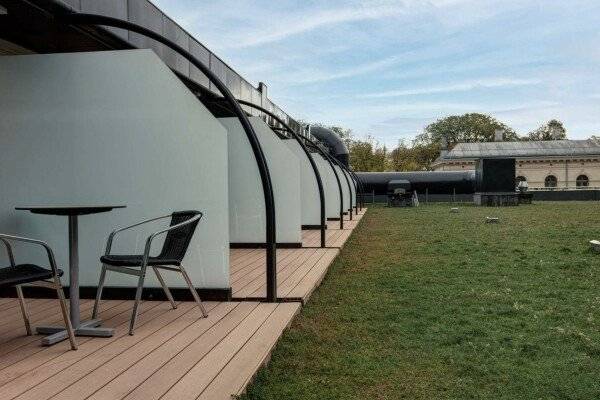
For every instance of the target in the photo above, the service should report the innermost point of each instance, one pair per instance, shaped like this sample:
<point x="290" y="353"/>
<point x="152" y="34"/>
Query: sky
<point x="388" y="68"/>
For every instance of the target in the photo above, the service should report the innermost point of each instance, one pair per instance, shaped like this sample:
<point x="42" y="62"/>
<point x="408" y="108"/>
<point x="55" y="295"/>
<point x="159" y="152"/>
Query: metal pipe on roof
<point x="435" y="182"/>
<point x="333" y="142"/>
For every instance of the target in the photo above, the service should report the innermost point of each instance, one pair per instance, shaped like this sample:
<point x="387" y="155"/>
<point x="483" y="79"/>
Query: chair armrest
<point x="155" y="234"/>
<point x="9" y="251"/>
<point x="8" y="238"/>
<point x="112" y="235"/>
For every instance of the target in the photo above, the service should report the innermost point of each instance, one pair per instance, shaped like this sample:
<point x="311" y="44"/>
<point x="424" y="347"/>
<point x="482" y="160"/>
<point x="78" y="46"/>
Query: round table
<point x="87" y="328"/>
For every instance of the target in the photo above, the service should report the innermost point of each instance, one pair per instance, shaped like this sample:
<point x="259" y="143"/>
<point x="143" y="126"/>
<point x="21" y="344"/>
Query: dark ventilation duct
<point x="434" y="182"/>
<point x="334" y="143"/>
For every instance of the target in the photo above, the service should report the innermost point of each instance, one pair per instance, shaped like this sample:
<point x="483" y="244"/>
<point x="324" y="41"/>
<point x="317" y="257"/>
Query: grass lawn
<point x="426" y="304"/>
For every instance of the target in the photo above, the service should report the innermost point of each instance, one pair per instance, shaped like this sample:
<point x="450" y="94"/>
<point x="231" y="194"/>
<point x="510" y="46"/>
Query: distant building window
<point x="582" y="180"/>
<point x="550" y="181"/>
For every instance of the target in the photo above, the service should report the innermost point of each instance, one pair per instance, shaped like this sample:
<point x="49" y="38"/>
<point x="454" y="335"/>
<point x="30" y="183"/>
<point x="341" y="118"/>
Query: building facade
<point x="544" y="165"/>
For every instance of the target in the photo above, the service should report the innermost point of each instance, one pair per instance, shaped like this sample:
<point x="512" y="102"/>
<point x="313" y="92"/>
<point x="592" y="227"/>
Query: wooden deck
<point x="299" y="271"/>
<point x="174" y="354"/>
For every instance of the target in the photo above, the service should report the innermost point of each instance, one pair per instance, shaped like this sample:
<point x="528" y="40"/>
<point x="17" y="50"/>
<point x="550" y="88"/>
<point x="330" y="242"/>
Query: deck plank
<point x="299" y="271"/>
<point x="170" y="373"/>
<point x="200" y="375"/>
<point x="237" y="374"/>
<point x="175" y="353"/>
<point x="128" y="350"/>
<point x="51" y="361"/>
<point x="15" y="338"/>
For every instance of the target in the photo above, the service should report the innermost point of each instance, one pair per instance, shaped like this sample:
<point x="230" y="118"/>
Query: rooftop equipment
<point x="399" y="193"/>
<point x="495" y="175"/>
<point x="495" y="182"/>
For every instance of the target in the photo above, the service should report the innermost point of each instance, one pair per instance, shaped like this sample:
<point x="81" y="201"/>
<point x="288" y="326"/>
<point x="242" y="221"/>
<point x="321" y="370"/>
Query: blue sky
<point x="388" y="68"/>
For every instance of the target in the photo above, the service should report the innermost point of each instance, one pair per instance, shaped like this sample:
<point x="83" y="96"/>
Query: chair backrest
<point x="177" y="241"/>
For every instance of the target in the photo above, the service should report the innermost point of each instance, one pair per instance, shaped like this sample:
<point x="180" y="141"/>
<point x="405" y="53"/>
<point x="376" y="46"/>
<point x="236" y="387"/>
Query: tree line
<point x="418" y="154"/>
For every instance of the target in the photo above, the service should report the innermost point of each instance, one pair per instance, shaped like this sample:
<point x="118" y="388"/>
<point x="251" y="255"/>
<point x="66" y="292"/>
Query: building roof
<point x="548" y="148"/>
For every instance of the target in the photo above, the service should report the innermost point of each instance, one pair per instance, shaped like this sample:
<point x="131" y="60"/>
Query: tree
<point x="365" y="155"/>
<point x="343" y="133"/>
<point x="553" y="130"/>
<point x="417" y="157"/>
<point x="473" y="127"/>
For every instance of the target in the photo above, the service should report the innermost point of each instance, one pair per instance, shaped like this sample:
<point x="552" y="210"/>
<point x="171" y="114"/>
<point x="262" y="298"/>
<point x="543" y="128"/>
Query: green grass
<point x="426" y="304"/>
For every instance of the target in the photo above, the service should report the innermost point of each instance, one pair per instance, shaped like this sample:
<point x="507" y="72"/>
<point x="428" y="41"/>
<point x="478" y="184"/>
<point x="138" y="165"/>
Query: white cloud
<point x="458" y="87"/>
<point x="316" y="20"/>
<point x="338" y="61"/>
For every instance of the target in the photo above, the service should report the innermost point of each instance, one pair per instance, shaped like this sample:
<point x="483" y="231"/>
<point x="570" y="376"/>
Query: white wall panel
<point x="110" y="128"/>
<point x="246" y="200"/>
<point x="345" y="188"/>
<point x="309" y="191"/>
<point x="352" y="188"/>
<point x="332" y="194"/>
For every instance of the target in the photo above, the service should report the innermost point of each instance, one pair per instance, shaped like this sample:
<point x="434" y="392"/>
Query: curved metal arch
<point x="261" y="161"/>
<point x="360" y="187"/>
<point x="356" y="202"/>
<point x="354" y="183"/>
<point x="310" y="160"/>
<point x="342" y="168"/>
<point x="327" y="158"/>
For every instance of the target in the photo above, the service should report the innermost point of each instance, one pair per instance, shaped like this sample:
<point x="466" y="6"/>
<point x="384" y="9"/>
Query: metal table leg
<point x="87" y="328"/>
<point x="74" y="271"/>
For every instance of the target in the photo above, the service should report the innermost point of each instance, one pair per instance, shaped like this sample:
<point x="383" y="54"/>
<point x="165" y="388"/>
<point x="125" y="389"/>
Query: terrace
<point x="174" y="353"/>
<point x="271" y="208"/>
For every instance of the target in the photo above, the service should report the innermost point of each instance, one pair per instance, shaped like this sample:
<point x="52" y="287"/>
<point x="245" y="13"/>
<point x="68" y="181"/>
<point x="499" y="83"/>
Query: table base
<point x="87" y="328"/>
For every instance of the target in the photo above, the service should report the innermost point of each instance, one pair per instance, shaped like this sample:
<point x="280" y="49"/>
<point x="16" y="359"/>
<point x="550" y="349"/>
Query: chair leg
<point x="165" y="288"/>
<point x="99" y="291"/>
<point x="193" y="290"/>
<point x="138" y="297"/>
<point x="24" y="310"/>
<point x="65" y="313"/>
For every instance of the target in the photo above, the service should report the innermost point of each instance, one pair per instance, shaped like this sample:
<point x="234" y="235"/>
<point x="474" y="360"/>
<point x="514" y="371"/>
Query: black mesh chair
<point x="19" y="274"/>
<point x="179" y="234"/>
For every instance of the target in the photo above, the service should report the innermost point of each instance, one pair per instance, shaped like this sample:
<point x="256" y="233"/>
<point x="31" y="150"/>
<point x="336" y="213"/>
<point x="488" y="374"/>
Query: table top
<point x="69" y="209"/>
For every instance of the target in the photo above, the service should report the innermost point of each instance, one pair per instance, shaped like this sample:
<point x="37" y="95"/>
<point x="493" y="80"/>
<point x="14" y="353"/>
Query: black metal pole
<point x="311" y="160"/>
<point x="261" y="161"/>
<point x="355" y="184"/>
